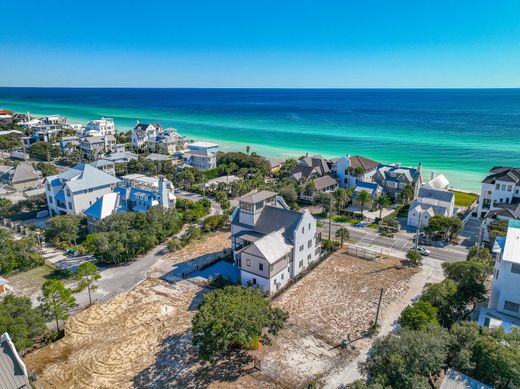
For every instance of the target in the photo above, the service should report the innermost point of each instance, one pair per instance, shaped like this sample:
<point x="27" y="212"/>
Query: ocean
<point x="461" y="133"/>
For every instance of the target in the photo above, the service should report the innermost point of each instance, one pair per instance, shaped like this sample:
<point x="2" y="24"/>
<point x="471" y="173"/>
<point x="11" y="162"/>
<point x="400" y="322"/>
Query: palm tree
<point x="362" y="198"/>
<point x="382" y="201"/>
<point x="407" y="193"/>
<point x="341" y="198"/>
<point x="248" y="149"/>
<point x="343" y="234"/>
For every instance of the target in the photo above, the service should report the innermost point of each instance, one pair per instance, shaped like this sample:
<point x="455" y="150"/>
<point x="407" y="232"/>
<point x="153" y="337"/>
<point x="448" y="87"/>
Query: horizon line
<point x="253" y="87"/>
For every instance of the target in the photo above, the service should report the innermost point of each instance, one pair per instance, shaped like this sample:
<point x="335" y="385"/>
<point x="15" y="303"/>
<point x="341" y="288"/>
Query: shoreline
<point x="279" y="148"/>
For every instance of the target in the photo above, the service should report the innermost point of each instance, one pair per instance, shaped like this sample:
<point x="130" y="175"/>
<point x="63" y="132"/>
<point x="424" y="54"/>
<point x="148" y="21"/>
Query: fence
<point x="367" y="253"/>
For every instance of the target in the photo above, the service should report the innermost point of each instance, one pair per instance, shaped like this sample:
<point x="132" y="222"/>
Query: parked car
<point x="423" y="251"/>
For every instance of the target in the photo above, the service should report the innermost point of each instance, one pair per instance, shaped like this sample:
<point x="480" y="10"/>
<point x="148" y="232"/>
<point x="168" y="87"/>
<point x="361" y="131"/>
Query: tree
<point x="414" y="257"/>
<point x="446" y="227"/>
<point x="87" y="276"/>
<point x="342" y="234"/>
<point x="497" y="228"/>
<point x="382" y="202"/>
<point x="43" y="151"/>
<point x="480" y="253"/>
<point x="443" y="296"/>
<point x="407" y="194"/>
<point x="233" y="317"/>
<point x="5" y="208"/>
<point x="18" y="254"/>
<point x="47" y="169"/>
<point x="343" y="196"/>
<point x="222" y="200"/>
<point x="248" y="149"/>
<point x="408" y="359"/>
<point x="419" y="316"/>
<point x="363" y="198"/>
<point x="57" y="300"/>
<point x="62" y="229"/>
<point x="487" y="354"/>
<point x="23" y="322"/>
<point x="289" y="194"/>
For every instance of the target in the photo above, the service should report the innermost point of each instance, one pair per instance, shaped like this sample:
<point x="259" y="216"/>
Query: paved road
<point x="402" y="242"/>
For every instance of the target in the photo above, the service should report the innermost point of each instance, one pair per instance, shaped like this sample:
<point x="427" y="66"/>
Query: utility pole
<point x="479" y="241"/>
<point x="378" y="307"/>
<point x="418" y="231"/>
<point x="330" y="215"/>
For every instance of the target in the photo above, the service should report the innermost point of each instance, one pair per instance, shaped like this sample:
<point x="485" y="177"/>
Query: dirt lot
<point x="139" y="339"/>
<point x="337" y="298"/>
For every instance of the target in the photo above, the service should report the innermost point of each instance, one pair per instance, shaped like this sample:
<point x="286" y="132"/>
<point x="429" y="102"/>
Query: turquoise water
<point x="461" y="133"/>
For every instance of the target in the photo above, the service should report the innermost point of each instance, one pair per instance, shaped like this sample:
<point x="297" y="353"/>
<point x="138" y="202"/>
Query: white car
<point x="423" y="251"/>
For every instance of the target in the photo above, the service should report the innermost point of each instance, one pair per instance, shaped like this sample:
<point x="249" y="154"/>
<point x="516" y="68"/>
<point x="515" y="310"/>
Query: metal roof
<point x="13" y="373"/>
<point x="511" y="251"/>
<point x="272" y="246"/>
<point x="257" y="196"/>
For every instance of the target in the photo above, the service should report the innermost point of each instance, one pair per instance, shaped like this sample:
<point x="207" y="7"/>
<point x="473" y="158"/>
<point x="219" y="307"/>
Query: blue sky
<point x="246" y="43"/>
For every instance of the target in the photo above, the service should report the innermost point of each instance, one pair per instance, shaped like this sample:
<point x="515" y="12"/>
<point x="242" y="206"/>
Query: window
<point x="49" y="187"/>
<point x="281" y="276"/>
<point x="496" y="275"/>
<point x="261" y="266"/>
<point x="309" y="226"/>
<point x="309" y="243"/>
<point x="301" y="248"/>
<point x="300" y="264"/>
<point x="70" y="205"/>
<point x="248" y="262"/>
<point x="515" y="268"/>
<point x="50" y="199"/>
<point x="509" y="188"/>
<point x="303" y="230"/>
<point x="497" y="187"/>
<point x="503" y="187"/>
<point x="511" y="306"/>
<point x="254" y="281"/>
<point x="309" y="257"/>
<point x="68" y="192"/>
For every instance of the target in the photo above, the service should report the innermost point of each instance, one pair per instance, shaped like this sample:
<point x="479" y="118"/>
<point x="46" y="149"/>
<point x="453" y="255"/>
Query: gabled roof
<point x="507" y="210"/>
<point x="83" y="176"/>
<point x="398" y="173"/>
<point x="438" y="182"/>
<point x="362" y="162"/>
<point x="158" y="157"/>
<point x="503" y="173"/>
<point x="435" y="194"/>
<point x="324" y="182"/>
<point x="23" y="173"/>
<point x="104" y="206"/>
<point x="303" y="171"/>
<point x="257" y="196"/>
<point x="316" y="161"/>
<point x="272" y="246"/>
<point x="101" y="163"/>
<point x="99" y="139"/>
<point x="457" y="380"/>
<point x="13" y="373"/>
<point x="274" y="218"/>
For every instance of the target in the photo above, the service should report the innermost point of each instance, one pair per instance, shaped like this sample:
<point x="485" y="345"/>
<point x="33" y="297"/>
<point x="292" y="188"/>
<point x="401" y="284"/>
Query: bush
<point x="419" y="316"/>
<point x="21" y="254"/>
<point x="233" y="317"/>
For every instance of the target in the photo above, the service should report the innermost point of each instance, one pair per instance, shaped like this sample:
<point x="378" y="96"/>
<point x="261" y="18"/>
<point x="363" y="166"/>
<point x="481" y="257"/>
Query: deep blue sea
<point x="461" y="133"/>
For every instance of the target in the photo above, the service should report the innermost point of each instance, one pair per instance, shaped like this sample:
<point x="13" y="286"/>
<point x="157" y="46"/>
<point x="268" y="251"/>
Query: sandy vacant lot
<point x="139" y="339"/>
<point x="337" y="298"/>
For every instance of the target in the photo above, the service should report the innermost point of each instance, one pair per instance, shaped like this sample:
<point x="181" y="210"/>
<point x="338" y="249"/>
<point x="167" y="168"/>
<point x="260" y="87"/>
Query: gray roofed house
<point x="203" y="159"/>
<point x="13" y="372"/>
<point x="122" y="157"/>
<point x="271" y="243"/>
<point x="94" y="147"/>
<point x="430" y="202"/>
<point x="21" y="177"/>
<point x="76" y="189"/>
<point x="322" y="185"/>
<point x="393" y="178"/>
<point x="503" y="173"/>
<point x="309" y="167"/>
<point x="456" y="380"/>
<point x="158" y="157"/>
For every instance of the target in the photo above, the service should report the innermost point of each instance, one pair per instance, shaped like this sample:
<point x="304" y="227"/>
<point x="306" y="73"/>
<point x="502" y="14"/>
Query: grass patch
<point x="463" y="199"/>
<point x="374" y="226"/>
<point x="29" y="282"/>
<point x="345" y="219"/>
